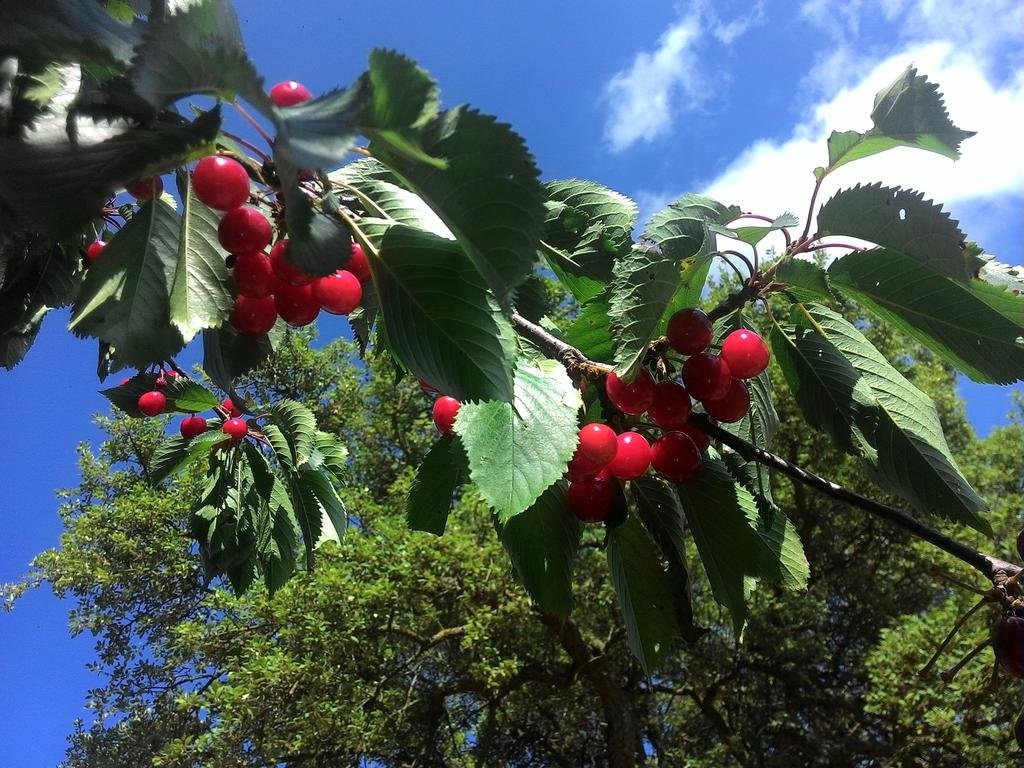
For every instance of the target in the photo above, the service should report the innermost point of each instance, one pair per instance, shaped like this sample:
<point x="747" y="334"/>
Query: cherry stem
<point x="948" y="675"/>
<point x="823" y="246"/>
<point x="950" y="635"/>
<point x="810" y="209"/>
<point x="723" y="257"/>
<point x="248" y="145"/>
<point x="252" y="121"/>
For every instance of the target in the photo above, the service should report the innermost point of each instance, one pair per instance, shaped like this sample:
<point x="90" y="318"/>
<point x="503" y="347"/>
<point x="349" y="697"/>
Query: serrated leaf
<point x="648" y="608"/>
<point x="430" y="497"/>
<point x="280" y="445"/>
<point x="196" y="48"/>
<point x="335" y="516"/>
<point x="82" y="175"/>
<point x="488" y="193"/>
<point x="1009" y="276"/>
<point x="298" y="425"/>
<point x="228" y="354"/>
<point x="805" y="280"/>
<point x="542" y="543"/>
<point x="754" y="234"/>
<point x="659" y="510"/>
<point x="174" y="454"/>
<point x="125" y="299"/>
<point x="663" y="274"/>
<point x="442" y="324"/>
<point x="188" y="396"/>
<point x="277" y="530"/>
<point x="308" y="512"/>
<point x="591" y="331"/>
<point x="335" y="455"/>
<point x="898" y="219"/>
<point x="571" y="275"/>
<point x="910" y="112"/>
<point x="382" y="197"/>
<point x="888" y="421"/>
<point x="201" y="295"/>
<point x="517" y="450"/>
<point x="66" y="31"/>
<point x="971" y="325"/>
<point x="734" y="544"/>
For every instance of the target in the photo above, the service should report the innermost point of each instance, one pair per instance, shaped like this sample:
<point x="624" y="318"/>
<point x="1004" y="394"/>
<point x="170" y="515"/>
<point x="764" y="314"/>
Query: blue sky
<point x="653" y="99"/>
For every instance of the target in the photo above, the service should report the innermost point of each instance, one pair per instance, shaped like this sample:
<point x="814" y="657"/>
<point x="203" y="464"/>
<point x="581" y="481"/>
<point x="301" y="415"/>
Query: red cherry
<point x="339" y="293"/>
<point x="689" y="331"/>
<point x="580" y="467"/>
<point x="92" y="252"/>
<point x="358" y="265"/>
<point x="233" y="410"/>
<point x="746" y="353"/>
<point x="706" y="376"/>
<point x="674" y="455"/>
<point x="235" y="428"/>
<point x="445" y="410"/>
<point x="152" y="403"/>
<point x="633" y="398"/>
<point x="289" y="93"/>
<point x="672" y="405"/>
<point x="221" y="182"/>
<point x="284" y="269"/>
<point x="296" y="304"/>
<point x="1008" y="642"/>
<point x="591" y="499"/>
<point x="733" y="406"/>
<point x="699" y="438"/>
<point x="253" y="317"/>
<point x="632" y="457"/>
<point x="598" y="443"/>
<point x="244" y="229"/>
<point x="253" y="275"/>
<point x="161" y="381"/>
<point x="192" y="426"/>
<point x="146" y="189"/>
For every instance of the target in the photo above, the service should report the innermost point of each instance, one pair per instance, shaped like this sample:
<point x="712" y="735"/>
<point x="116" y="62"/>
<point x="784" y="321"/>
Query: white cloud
<point x="771" y="177"/>
<point x="641" y="97"/>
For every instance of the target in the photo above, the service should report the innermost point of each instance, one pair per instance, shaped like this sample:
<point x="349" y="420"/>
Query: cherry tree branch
<point x="998" y="571"/>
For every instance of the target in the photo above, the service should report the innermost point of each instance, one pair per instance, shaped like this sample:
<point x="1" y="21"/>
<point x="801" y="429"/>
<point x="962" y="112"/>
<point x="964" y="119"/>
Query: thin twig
<point x="951" y="634"/>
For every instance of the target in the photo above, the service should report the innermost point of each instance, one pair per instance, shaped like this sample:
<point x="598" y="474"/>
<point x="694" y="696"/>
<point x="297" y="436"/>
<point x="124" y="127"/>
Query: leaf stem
<point x="252" y="121"/>
<point x="810" y="210"/>
<point x="823" y="246"/>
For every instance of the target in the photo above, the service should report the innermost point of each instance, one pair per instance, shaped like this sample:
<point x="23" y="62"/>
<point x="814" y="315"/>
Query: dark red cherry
<point x="689" y="331"/>
<point x="633" y="397"/>
<point x="675" y="456"/>
<point x="284" y="269"/>
<point x="632" y="457"/>
<point x="253" y="275"/>
<point x="244" y="229"/>
<point x="733" y="406"/>
<point x="252" y="316"/>
<point x="296" y="304"/>
<point x="592" y="498"/>
<point x="672" y="405"/>
<point x="706" y="377"/>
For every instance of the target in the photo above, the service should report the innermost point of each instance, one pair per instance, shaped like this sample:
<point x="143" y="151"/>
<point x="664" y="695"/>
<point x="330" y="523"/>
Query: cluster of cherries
<point x="266" y="286"/>
<point x="718" y="382"/>
<point x="154" y="402"/>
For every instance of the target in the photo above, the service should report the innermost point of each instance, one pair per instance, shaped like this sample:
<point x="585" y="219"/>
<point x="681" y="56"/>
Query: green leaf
<point x="910" y="112"/>
<point x="898" y="219"/>
<point x="1009" y="276"/>
<point x="591" y="331"/>
<point x="298" y="425"/>
<point x="430" y="498"/>
<point x="125" y="299"/>
<point x="335" y="516"/>
<point x="876" y="413"/>
<point x="974" y="326"/>
<point x="488" y="192"/>
<point x="754" y="234"/>
<point x="196" y="49"/>
<point x="201" y="296"/>
<point x="59" y="30"/>
<point x="542" y="543"/>
<point x="665" y="273"/>
<point x="646" y="601"/>
<point x="659" y="510"/>
<point x="571" y="275"/>
<point x="277" y="530"/>
<point x="228" y="355"/>
<point x="81" y="176"/>
<point x="805" y="280"/>
<point x="335" y="455"/>
<point x="442" y="324"/>
<point x="308" y="512"/>
<point x="517" y="449"/>
<point x="174" y="454"/>
<point x="382" y="197"/>
<point x="187" y="396"/>
<point x="735" y="545"/>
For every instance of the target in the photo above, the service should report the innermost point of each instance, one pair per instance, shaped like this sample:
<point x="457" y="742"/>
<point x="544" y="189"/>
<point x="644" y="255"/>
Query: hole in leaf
<point x="903" y="214"/>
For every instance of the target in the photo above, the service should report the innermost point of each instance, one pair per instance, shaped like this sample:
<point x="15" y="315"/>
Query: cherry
<point x="632" y="457"/>
<point x="146" y="189"/>
<point x="339" y="293"/>
<point x="674" y="455"/>
<point x="252" y="316"/>
<point x="152" y="403"/>
<point x="244" y="229"/>
<point x="1008" y="641"/>
<point x="633" y="398"/>
<point x="92" y="252"/>
<point x="192" y="426"/>
<point x="161" y="381"/>
<point x="733" y="406"/>
<point x="358" y="265"/>
<point x="296" y="304"/>
<point x="221" y="182"/>
<point x="445" y="410"/>
<point x="284" y="269"/>
<point x="672" y="405"/>
<point x="289" y="93"/>
<point x="228" y="405"/>
<point x="580" y="467"/>
<point x="707" y="377"/>
<point x="592" y="499"/>
<point x="689" y="331"/>
<point x="235" y="428"/>
<point x="254" y="275"/>
<point x="746" y="353"/>
<point x="598" y="443"/>
<point x="699" y="438"/>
